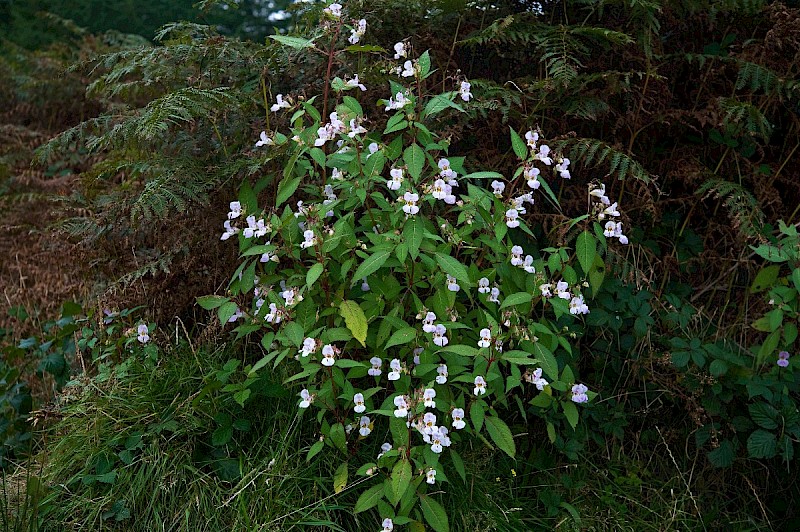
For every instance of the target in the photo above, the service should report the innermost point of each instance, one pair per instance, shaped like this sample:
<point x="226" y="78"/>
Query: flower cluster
<point x="603" y="209"/>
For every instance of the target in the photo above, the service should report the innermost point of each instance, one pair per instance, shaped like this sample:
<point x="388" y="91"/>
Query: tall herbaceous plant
<point x="407" y="294"/>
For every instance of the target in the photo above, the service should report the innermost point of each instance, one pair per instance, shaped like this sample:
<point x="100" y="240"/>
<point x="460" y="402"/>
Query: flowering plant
<point x="411" y="299"/>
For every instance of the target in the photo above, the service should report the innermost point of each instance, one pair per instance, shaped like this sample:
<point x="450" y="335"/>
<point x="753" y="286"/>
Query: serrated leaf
<point x="439" y="103"/>
<point x="520" y="298"/>
<point x="355" y="320"/>
<point x="766" y="278"/>
<point x="221" y="436"/>
<point x="723" y="455"/>
<point x="450" y="265"/>
<point x="586" y="249"/>
<point x="764" y="415"/>
<point x="424" y="62"/>
<point x="371" y="264"/>
<point x="340" y="478"/>
<point x="519" y="146"/>
<point x="761" y="444"/>
<point x="571" y="413"/>
<point x="401" y="479"/>
<point x="211" y="302"/>
<point x="225" y="311"/>
<point x="313" y="274"/>
<point x="286" y="188"/>
<point x="501" y="435"/>
<point x="338" y="438"/>
<point x="413" y="233"/>
<point x="547" y="361"/>
<point x="483" y="175"/>
<point x="369" y="499"/>
<point x="294" y="332"/>
<point x="403" y="336"/>
<point x="414" y="158"/>
<point x="293" y="42"/>
<point x="434" y="514"/>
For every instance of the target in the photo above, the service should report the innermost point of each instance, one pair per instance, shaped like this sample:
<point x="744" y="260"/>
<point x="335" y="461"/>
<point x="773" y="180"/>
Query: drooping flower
<point x="531" y="138"/>
<point x="396" y="369"/>
<point x="428" y="424"/>
<point x="516" y="256"/>
<point x="562" y="167"/>
<point x="388" y="526"/>
<point x="536" y="379"/>
<point x="328" y="355"/>
<point x="446" y="172"/>
<point x="452" y="284"/>
<point x="358" y="32"/>
<point x="402" y="406"/>
<point x="355" y="83"/>
<point x="398" y="102"/>
<point x="273" y="316"/>
<point x="546" y="289"/>
<point x="441" y="377"/>
<point x="428" y="322"/>
<point x="428" y="396"/>
<point x="373" y="147"/>
<point x="264" y="140"/>
<point x="783" y="359"/>
<point x="358" y="401"/>
<point x="480" y="386"/>
<point x="410" y="200"/>
<point x="430" y="476"/>
<point x="578" y="306"/>
<point x="438" y="439"/>
<point x="364" y="426"/>
<point x="409" y="69"/>
<point x="483" y="285"/>
<point x="400" y="50"/>
<point x="375" y="370"/>
<point x="281" y="104"/>
<point x="334" y="10"/>
<point x="458" y="418"/>
<point x="544" y="155"/>
<point x="397" y="179"/>
<point x="579" y="393"/>
<point x="385" y="448"/>
<point x="511" y="218"/>
<point x="494" y="296"/>
<point x="527" y="264"/>
<point x="464" y="91"/>
<point x="498" y="187"/>
<point x="600" y="194"/>
<point x="142" y="333"/>
<point x="364" y="285"/>
<point x="236" y="210"/>
<point x="306" y="397"/>
<point x="531" y="174"/>
<point x="309" y="346"/>
<point x="486" y="338"/>
<point x="309" y="239"/>
<point x="439" y="337"/>
<point x="229" y="230"/>
<point x="562" y="289"/>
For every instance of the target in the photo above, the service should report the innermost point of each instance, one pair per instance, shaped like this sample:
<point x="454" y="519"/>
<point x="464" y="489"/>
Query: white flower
<point x="273" y="316"/>
<point x="358" y="32"/>
<point x="364" y="285"/>
<point x="364" y="426"/>
<point x="446" y="172"/>
<point x="358" y="401"/>
<point x="527" y="265"/>
<point x="452" y="284"/>
<point x="334" y="10"/>
<point x="388" y="526"/>
<point x="440" y="189"/>
<point x="400" y="50"/>
<point x="511" y="218"/>
<point x="418" y="351"/>
<point x="309" y="346"/>
<point x="355" y="83"/>
<point x="428" y="396"/>
<point x="328" y="355"/>
<point x="546" y="290"/>
<point x="356" y="128"/>
<point x="236" y="210"/>
<point x="235" y="316"/>
<point x="543" y="155"/>
<point x="438" y="439"/>
<point x="397" y="179"/>
<point x="427" y="323"/>
<point x="494" y="296"/>
<point x="410" y="203"/>
<point x="375" y="370"/>
<point x="483" y="285"/>
<point x="281" y="104"/>
<point x="600" y="194"/>
<point x="609" y="229"/>
<point x="464" y="91"/>
<point x="264" y="140"/>
<point x="229" y="231"/>
<point x="578" y="306"/>
<point x="562" y="289"/>
<point x="310" y="239"/>
<point x="306" y="397"/>
<point x="458" y="418"/>
<point x="398" y="102"/>
<point x="531" y="174"/>
<point x="430" y="476"/>
<point x="395" y="366"/>
<point x="409" y="69"/>
<point x="486" y="338"/>
<point x="428" y="424"/>
<point x="291" y="296"/>
<point x="498" y="187"/>
<point x="385" y="448"/>
<point x="536" y="379"/>
<point x="402" y="406"/>
<point x="516" y="256"/>
<point x="142" y="334"/>
<point x="531" y="138"/>
<point x="579" y="393"/>
<point x="439" y="337"/>
<point x="611" y="210"/>
<point x="563" y="168"/>
<point x="441" y="378"/>
<point x="373" y="147"/>
<point x="480" y="386"/>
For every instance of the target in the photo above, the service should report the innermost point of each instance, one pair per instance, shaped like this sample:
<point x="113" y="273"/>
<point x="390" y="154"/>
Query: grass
<point x="173" y="478"/>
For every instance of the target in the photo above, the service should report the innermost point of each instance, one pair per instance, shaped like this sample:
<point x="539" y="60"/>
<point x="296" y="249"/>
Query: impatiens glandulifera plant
<point x="408" y="295"/>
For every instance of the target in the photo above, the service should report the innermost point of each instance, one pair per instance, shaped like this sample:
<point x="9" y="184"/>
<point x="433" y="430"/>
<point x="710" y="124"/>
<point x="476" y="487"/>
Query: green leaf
<point x="314" y="450"/>
<point x="520" y="298"/>
<point x="723" y="455"/>
<point x="413" y="233"/>
<point x="294" y="332"/>
<point x="414" y="158"/>
<point x="403" y="336"/>
<point x="460" y="349"/>
<point x="340" y="478"/>
<point x="547" y="360"/>
<point x="439" y="103"/>
<point x="211" y="302"/>
<point x="571" y="413"/>
<point x="225" y="311"/>
<point x="286" y="188"/>
<point x="401" y="479"/>
<point x="371" y="264"/>
<point x="424" y="64"/>
<point x="338" y="437"/>
<point x="221" y="436"/>
<point x="765" y="278"/>
<point x="718" y="368"/>
<point x="477" y="414"/>
<point x="586" y="249"/>
<point x="293" y="42"/>
<point x="520" y="148"/>
<point x="501" y="435"/>
<point x="369" y="499"/>
<point x="313" y="274"/>
<point x="483" y="175"/>
<point x="761" y="444"/>
<point x="450" y="265"/>
<point x="434" y="513"/>
<point x="764" y="415"/>
<point x="355" y="320"/>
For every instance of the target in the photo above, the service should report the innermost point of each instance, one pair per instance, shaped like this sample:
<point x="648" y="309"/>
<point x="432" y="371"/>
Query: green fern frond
<point x="594" y="153"/>
<point x="743" y="115"/>
<point x="742" y="206"/>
